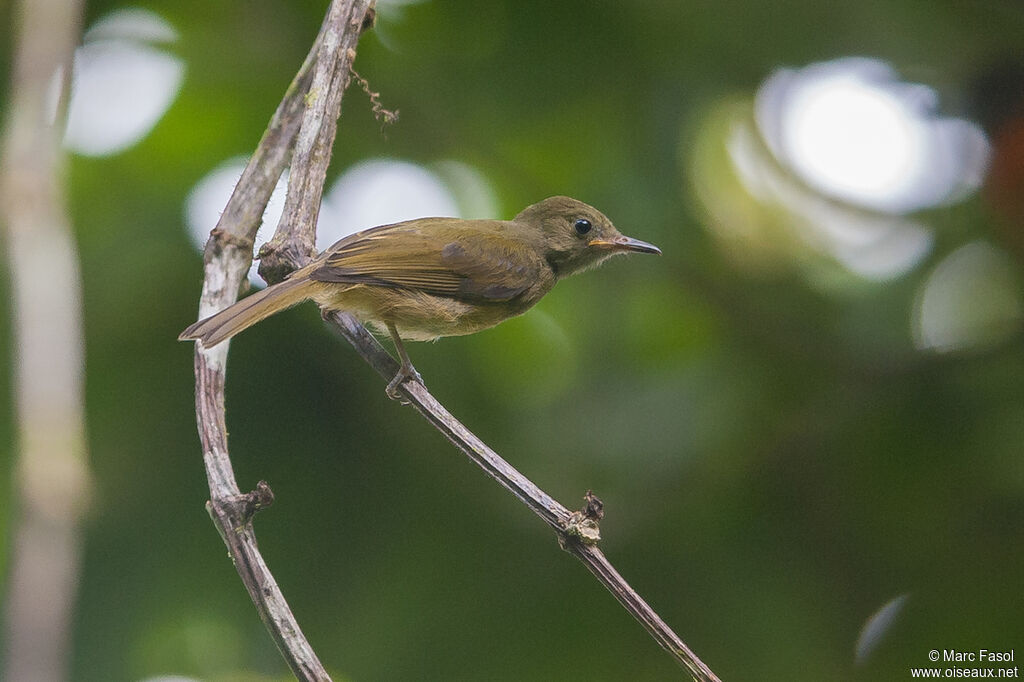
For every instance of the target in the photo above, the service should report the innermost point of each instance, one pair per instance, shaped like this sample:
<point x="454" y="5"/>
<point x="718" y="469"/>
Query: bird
<point x="423" y="279"/>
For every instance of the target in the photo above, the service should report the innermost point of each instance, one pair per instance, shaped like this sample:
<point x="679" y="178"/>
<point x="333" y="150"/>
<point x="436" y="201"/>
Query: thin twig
<point x="543" y="505"/>
<point x="227" y="259"/>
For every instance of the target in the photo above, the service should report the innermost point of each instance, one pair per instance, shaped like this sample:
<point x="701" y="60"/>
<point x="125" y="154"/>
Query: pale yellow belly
<point x="416" y="315"/>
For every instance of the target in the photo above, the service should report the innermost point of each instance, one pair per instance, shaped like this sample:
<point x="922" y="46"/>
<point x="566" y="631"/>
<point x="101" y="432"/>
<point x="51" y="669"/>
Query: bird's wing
<point x="466" y="262"/>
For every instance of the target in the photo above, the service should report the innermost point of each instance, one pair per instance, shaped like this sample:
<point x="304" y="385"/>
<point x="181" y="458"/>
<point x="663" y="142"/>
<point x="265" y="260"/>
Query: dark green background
<point x="776" y="462"/>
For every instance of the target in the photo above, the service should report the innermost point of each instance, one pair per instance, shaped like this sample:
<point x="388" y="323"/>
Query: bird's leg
<point x="406" y="371"/>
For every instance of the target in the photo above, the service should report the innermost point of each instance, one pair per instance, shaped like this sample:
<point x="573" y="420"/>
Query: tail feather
<point x="247" y="312"/>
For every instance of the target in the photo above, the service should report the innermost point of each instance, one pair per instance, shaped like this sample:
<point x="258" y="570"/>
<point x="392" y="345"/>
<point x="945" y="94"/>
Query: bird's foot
<point x="405" y="373"/>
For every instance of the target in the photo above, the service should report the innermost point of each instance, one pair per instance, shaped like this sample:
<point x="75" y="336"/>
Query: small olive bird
<point x="431" y="277"/>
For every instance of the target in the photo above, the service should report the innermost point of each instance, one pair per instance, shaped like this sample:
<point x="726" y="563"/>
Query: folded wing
<point x="471" y="261"/>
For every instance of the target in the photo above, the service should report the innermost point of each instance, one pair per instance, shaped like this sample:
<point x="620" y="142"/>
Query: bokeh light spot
<point x="472" y="191"/>
<point x="971" y="299"/>
<point x="854" y="140"/>
<point x="380" y="192"/>
<point x="852" y="130"/>
<point x="875" y="246"/>
<point x="877" y="627"/>
<point x="121" y="86"/>
<point x="821" y="167"/>
<point x="131" y="23"/>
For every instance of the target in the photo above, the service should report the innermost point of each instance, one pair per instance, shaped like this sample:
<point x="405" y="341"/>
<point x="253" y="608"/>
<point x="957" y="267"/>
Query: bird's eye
<point x="582" y="226"/>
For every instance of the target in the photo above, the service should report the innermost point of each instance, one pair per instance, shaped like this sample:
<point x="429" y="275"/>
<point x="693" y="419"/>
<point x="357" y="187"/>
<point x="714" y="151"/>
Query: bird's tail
<point x="247" y="312"/>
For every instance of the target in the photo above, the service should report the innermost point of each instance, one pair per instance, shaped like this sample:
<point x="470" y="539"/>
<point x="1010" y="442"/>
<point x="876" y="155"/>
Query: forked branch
<point x="227" y="259"/>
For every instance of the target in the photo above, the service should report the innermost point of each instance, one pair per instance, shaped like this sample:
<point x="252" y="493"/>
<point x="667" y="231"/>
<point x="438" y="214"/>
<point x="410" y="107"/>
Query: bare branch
<point x="52" y="472"/>
<point x="227" y="259"/>
<point x="564" y="522"/>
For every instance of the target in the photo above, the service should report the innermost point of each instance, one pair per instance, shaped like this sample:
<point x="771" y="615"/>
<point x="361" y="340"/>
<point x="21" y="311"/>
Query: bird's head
<point x="574" y="236"/>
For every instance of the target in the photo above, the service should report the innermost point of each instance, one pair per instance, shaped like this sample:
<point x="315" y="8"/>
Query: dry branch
<point x="578" y="541"/>
<point x="227" y="258"/>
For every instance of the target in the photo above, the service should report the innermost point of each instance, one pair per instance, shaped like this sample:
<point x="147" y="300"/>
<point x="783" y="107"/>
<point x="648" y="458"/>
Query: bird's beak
<point x="622" y="243"/>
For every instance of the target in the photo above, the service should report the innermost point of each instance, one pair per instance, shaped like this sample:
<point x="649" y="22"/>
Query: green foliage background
<point x="777" y="463"/>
